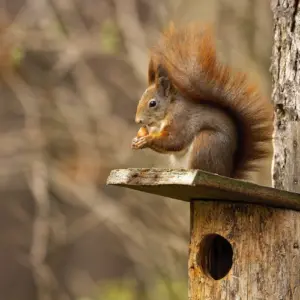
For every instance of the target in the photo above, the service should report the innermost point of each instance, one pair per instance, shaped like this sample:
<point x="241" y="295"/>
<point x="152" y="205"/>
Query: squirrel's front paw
<point x="140" y="142"/>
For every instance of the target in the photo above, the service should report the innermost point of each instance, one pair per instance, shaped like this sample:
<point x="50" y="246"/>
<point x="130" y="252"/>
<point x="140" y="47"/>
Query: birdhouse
<point x="244" y="238"/>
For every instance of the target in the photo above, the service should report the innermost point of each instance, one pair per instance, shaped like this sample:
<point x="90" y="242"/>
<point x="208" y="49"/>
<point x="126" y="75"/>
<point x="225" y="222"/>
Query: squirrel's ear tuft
<point x="163" y="86"/>
<point x="151" y="72"/>
<point x="161" y="71"/>
<point x="163" y="82"/>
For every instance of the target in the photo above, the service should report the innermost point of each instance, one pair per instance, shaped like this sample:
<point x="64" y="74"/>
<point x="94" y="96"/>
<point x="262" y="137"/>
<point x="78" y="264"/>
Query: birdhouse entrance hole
<point x="215" y="256"/>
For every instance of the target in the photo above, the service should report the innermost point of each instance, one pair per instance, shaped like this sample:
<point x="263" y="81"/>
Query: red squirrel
<point x="198" y="110"/>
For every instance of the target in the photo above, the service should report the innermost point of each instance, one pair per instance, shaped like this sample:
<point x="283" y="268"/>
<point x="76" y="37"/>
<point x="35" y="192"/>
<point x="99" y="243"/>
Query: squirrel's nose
<point x="138" y="120"/>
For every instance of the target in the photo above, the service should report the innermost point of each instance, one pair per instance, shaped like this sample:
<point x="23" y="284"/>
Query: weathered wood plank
<point x="189" y="185"/>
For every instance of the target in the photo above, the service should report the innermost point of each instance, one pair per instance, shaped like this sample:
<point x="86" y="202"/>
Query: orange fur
<point x="188" y="55"/>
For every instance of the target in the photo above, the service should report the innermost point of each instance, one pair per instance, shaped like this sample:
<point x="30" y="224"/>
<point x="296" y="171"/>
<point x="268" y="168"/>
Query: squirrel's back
<point x="189" y="57"/>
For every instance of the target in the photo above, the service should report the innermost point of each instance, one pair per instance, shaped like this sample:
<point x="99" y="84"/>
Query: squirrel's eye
<point x="152" y="103"/>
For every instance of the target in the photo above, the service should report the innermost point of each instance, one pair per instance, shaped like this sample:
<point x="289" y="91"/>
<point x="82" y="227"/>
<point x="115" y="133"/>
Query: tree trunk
<point x="286" y="96"/>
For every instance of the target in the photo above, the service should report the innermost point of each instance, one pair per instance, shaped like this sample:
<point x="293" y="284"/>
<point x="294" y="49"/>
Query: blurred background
<point x="71" y="73"/>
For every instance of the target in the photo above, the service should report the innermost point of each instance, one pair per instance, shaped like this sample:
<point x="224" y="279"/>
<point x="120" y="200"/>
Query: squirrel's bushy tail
<point x="188" y="55"/>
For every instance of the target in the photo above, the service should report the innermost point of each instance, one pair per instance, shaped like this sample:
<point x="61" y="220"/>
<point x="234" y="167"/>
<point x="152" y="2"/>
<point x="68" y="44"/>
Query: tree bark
<point x="286" y="94"/>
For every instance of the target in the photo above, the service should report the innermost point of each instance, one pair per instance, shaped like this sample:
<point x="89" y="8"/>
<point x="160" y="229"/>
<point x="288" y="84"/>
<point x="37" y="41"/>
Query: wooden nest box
<point x="245" y="238"/>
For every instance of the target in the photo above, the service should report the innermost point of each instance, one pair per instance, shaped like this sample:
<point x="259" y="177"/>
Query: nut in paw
<point x="140" y="142"/>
